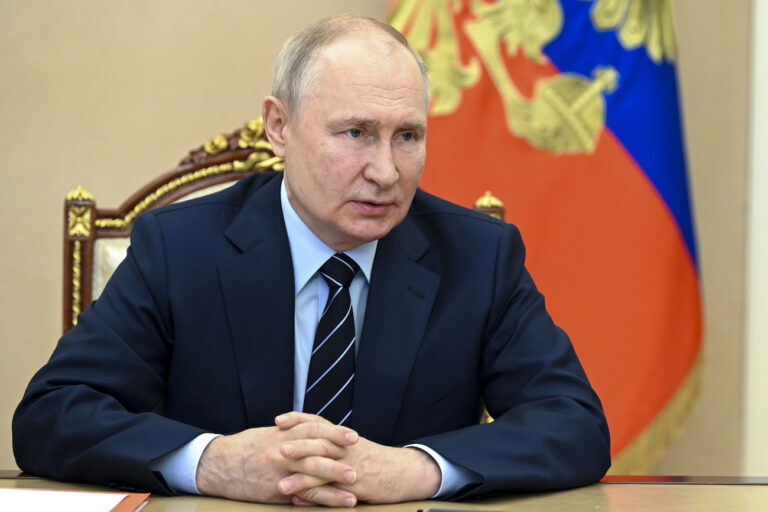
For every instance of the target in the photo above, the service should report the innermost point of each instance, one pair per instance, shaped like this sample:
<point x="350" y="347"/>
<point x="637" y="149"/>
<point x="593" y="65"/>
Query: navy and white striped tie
<point x="332" y="365"/>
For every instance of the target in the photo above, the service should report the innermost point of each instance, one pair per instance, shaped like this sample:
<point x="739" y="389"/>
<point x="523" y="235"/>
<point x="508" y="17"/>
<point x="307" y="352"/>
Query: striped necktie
<point x="332" y="364"/>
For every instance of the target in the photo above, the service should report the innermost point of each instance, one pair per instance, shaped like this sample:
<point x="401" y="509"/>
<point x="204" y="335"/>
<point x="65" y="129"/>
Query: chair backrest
<point x="96" y="240"/>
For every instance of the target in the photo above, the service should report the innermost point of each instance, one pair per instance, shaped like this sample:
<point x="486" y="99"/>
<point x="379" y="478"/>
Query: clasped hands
<point x="306" y="460"/>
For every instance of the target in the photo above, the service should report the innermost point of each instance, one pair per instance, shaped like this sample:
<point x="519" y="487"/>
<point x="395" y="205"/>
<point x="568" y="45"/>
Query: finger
<point x="325" y="495"/>
<point x="295" y="500"/>
<point x="342" y="436"/>
<point x="293" y="418"/>
<point x="300" y="448"/>
<point x="308" y="470"/>
<point x="298" y="483"/>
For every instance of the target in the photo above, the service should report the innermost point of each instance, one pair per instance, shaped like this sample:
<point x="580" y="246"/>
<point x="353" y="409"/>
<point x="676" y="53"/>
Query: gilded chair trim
<point x="224" y="158"/>
<point x="255" y="161"/>
<point x="77" y="296"/>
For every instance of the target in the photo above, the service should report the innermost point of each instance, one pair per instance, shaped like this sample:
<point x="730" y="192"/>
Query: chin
<point x="366" y="236"/>
<point x="367" y="230"/>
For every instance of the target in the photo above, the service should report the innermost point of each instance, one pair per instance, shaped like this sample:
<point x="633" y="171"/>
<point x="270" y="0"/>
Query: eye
<point x="408" y="136"/>
<point x="355" y="133"/>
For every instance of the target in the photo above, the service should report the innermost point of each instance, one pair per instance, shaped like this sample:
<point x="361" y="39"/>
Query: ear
<point x="275" y="117"/>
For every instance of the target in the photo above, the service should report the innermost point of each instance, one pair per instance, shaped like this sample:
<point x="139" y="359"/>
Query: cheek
<point x="410" y="168"/>
<point x="306" y="189"/>
<point x="411" y="156"/>
<point x="341" y="176"/>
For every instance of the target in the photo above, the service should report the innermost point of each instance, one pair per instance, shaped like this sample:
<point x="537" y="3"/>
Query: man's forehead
<point x="367" y="58"/>
<point x="365" y="34"/>
<point x="376" y="68"/>
<point x="365" y="40"/>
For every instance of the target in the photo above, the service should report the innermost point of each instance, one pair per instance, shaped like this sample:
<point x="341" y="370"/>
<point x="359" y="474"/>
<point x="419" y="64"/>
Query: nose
<point x="381" y="168"/>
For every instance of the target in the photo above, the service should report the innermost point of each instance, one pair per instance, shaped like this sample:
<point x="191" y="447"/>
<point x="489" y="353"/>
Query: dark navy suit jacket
<point x="194" y="333"/>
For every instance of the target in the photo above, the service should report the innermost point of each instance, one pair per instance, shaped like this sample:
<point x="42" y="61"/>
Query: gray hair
<point x="293" y="66"/>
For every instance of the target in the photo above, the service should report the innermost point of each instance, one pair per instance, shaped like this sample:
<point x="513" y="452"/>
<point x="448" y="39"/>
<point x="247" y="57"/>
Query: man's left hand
<point x="384" y="474"/>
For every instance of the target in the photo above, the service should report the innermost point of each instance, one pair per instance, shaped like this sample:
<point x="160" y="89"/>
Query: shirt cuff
<point x="179" y="467"/>
<point x="454" y="477"/>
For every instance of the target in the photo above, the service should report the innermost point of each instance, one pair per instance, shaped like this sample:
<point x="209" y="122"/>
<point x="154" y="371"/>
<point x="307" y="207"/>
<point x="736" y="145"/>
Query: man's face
<point x="355" y="146"/>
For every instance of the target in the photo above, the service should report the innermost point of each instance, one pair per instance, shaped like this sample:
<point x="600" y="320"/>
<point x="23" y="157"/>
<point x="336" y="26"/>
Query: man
<point x="215" y="323"/>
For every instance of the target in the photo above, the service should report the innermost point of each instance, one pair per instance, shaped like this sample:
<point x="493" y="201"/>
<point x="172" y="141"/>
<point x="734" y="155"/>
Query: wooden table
<point x="622" y="494"/>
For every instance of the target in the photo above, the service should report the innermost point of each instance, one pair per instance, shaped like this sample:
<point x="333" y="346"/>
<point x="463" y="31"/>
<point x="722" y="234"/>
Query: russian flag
<point x="568" y="112"/>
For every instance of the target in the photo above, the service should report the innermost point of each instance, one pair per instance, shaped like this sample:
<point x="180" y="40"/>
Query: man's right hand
<point x="248" y="466"/>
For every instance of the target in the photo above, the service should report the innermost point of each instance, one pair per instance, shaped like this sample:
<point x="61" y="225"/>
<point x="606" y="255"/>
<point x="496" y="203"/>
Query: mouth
<point x="374" y="208"/>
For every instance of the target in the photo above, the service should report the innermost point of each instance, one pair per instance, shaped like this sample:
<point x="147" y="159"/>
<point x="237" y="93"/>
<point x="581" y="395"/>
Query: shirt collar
<point x="308" y="252"/>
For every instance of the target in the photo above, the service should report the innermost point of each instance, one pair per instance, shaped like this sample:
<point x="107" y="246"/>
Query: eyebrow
<point x="375" y="123"/>
<point x="417" y="127"/>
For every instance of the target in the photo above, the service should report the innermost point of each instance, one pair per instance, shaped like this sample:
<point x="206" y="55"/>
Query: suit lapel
<point x="259" y="295"/>
<point x="400" y="299"/>
<point x="258" y="289"/>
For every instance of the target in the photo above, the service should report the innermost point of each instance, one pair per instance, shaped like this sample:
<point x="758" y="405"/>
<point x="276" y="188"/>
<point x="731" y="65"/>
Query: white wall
<point x="756" y="349"/>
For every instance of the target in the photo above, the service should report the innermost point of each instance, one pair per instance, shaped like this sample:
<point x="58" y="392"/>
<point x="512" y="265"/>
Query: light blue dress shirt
<point x="308" y="253"/>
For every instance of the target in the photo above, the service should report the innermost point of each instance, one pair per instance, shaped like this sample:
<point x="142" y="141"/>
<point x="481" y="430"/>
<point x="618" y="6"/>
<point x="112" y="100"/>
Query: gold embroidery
<point x="79" y="220"/>
<point x="639" y="23"/>
<point x="566" y="113"/>
<point x="447" y="75"/>
<point x="521" y="24"/>
<point x="645" y="450"/>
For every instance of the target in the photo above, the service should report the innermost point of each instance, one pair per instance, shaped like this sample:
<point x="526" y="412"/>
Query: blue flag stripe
<point x="643" y="112"/>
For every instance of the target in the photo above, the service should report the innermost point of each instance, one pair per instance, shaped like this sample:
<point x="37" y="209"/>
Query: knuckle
<point x="313" y="465"/>
<point x="314" y="429"/>
<point x="320" y="467"/>
<point x="327" y="447"/>
<point x="334" y="451"/>
<point x="310" y="494"/>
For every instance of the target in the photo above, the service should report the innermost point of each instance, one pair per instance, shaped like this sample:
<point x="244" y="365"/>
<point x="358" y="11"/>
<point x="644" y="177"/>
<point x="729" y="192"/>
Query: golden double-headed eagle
<point x="566" y="113"/>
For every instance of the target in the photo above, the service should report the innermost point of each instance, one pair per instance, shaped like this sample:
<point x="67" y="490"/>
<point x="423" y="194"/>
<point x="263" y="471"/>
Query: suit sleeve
<point x="549" y="430"/>
<point x="87" y="415"/>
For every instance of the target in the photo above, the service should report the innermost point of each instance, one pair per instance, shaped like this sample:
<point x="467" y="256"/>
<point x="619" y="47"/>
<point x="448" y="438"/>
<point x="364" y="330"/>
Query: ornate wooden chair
<point x="96" y="240"/>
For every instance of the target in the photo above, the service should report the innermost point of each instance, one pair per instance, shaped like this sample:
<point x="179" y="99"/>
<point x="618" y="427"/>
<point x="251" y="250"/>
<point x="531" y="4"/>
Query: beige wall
<point x="107" y="94"/>
<point x="714" y="61"/>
